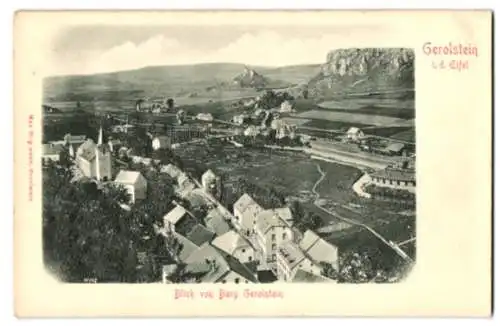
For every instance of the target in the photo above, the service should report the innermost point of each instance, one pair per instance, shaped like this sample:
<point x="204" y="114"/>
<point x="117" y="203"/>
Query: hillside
<point x="169" y="80"/>
<point x="364" y="70"/>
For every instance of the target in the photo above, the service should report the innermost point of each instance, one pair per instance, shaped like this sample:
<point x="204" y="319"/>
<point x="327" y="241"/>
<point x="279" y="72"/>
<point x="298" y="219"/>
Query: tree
<point x="170" y="103"/>
<point x="88" y="234"/>
<point x="329" y="271"/>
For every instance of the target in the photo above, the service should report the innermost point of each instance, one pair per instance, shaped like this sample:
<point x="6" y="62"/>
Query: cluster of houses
<point x="242" y="245"/>
<point x="356" y="135"/>
<point x="225" y="246"/>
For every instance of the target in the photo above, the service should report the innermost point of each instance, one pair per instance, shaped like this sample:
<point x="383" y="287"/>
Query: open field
<point x="332" y="125"/>
<point x="407" y="135"/>
<point x="358" y="103"/>
<point x="295" y="121"/>
<point x="391" y="132"/>
<point x="292" y="174"/>
<point x="351" y="117"/>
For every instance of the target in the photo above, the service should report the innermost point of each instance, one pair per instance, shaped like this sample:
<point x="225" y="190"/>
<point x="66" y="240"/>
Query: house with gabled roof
<point x="245" y="211"/>
<point x="235" y="245"/>
<point x="216" y="222"/>
<point x="319" y="250"/>
<point x="134" y="183"/>
<point x="174" y="217"/>
<point x="271" y="231"/>
<point x="218" y="267"/>
<point x="291" y="258"/>
<point x="51" y="152"/>
<point x="354" y="134"/>
<point x="187" y="247"/>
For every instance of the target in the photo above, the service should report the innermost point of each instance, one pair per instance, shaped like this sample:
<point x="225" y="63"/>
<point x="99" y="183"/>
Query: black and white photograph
<point x="228" y="154"/>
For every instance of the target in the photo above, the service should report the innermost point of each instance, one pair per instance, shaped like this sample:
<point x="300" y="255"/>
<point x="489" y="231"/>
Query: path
<point x="354" y="222"/>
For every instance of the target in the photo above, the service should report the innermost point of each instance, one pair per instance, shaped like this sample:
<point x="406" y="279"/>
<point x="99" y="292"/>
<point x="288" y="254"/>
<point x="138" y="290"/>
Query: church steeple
<point x="99" y="140"/>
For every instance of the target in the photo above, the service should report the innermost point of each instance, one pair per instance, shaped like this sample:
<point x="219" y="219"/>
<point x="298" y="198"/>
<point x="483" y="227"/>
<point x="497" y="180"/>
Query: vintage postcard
<point x="212" y="163"/>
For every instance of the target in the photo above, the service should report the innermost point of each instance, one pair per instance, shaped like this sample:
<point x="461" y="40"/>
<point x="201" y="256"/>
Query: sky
<point x="99" y="49"/>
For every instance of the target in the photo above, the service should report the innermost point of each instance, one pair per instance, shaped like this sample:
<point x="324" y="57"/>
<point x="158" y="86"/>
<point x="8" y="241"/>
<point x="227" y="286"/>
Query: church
<point x="95" y="160"/>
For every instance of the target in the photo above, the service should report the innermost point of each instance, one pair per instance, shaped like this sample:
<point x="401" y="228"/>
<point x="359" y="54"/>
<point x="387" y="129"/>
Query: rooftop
<point x="230" y="241"/>
<point x="248" y="208"/>
<point x="200" y="235"/>
<point x="128" y="177"/>
<point x="52" y="149"/>
<point x="268" y="219"/>
<point x="216" y="222"/>
<point x="302" y="276"/>
<point x="395" y="174"/>
<point x="175" y="214"/>
<point x="353" y="130"/>
<point x="395" y="147"/>
<point x="187" y="247"/>
<point x="171" y="170"/>
<point x="318" y="249"/>
<point x="222" y="264"/>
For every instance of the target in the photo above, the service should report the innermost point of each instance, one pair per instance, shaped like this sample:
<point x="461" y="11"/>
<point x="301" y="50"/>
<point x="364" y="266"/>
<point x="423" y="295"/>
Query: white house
<point x="245" y="210"/>
<point x="135" y="184"/>
<point x="251" y="131"/>
<point x="173" y="217"/>
<point x="271" y="233"/>
<point x="51" y="152"/>
<point x="205" y="117"/>
<point x="240" y="119"/>
<point x="211" y="183"/>
<point x="286" y="106"/>
<point x="354" y="134"/>
<point x="235" y="245"/>
<point x="161" y="142"/>
<point x="291" y="258"/>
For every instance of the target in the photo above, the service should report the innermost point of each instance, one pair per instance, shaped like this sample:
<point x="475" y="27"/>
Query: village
<point x="248" y="243"/>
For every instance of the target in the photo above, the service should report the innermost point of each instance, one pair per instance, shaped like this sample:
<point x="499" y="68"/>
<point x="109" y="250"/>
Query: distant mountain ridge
<point x="172" y="79"/>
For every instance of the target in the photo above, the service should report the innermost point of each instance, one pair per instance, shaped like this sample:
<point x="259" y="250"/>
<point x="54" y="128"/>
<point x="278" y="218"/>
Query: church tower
<point x="103" y="159"/>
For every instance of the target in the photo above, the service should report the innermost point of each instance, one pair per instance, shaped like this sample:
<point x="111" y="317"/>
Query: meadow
<point x="366" y="119"/>
<point x="358" y="103"/>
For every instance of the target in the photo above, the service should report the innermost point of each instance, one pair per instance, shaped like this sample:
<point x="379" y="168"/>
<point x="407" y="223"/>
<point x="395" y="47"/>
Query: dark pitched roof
<point x="216" y="222"/>
<point x="200" y="235"/>
<point x="395" y="174"/>
<point x="395" y="147"/>
<point x="236" y="266"/>
<point x="187" y="247"/>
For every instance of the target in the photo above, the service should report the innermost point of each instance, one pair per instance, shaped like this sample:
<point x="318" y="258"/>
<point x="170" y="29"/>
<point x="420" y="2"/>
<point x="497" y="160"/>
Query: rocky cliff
<point x="371" y="69"/>
<point x="250" y="78"/>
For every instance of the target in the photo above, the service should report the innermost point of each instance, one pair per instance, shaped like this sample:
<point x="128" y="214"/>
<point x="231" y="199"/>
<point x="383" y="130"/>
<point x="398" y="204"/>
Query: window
<point x="243" y="250"/>
<point x="284" y="236"/>
<point x="274" y="257"/>
<point x="250" y="258"/>
<point x="274" y="246"/>
<point x="237" y="280"/>
<point x="273" y="237"/>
